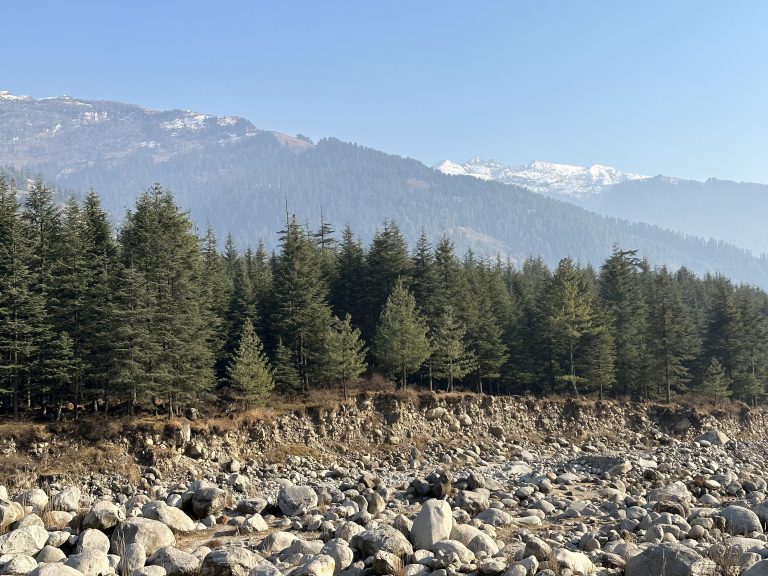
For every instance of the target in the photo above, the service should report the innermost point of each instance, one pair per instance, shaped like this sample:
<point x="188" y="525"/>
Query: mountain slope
<point x="239" y="178"/>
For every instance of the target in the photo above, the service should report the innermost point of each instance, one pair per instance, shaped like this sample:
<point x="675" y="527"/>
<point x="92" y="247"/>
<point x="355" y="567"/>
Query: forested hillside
<point x="158" y="313"/>
<point x="239" y="180"/>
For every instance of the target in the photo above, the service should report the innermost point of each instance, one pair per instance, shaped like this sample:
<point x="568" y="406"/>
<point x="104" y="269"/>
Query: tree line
<point x="155" y="314"/>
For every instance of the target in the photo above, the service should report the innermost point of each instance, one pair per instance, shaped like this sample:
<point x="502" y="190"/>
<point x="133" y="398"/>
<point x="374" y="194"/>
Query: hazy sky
<point x="672" y="87"/>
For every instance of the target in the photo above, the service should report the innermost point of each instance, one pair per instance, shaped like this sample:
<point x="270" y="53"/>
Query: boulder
<point x="28" y="540"/>
<point x="17" y="564"/>
<point x="296" y="500"/>
<point x="175" y="562"/>
<point x="320" y="565"/>
<point x="10" y="512"/>
<point x="103" y="515"/>
<point x="757" y="569"/>
<point x="276" y="542"/>
<point x="133" y="558"/>
<point x="208" y="501"/>
<point x="67" y="500"/>
<point x="54" y="570"/>
<point x="49" y="554"/>
<point x="714" y="437"/>
<point x="341" y="553"/>
<point x="173" y="517"/>
<point x="452" y="550"/>
<point x="669" y="559"/>
<point x="740" y="521"/>
<point x="89" y="562"/>
<point x="91" y="539"/>
<point x="384" y="537"/>
<point x="576" y="562"/>
<point x="432" y="524"/>
<point x="149" y="533"/>
<point x="236" y="561"/>
<point x="472" y="502"/>
<point x="35" y="498"/>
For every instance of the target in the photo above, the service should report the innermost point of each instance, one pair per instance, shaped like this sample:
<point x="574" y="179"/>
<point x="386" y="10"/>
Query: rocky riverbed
<point x="400" y="486"/>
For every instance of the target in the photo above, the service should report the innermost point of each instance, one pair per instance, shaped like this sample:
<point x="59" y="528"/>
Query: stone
<point x="714" y="437"/>
<point x="296" y="500"/>
<point x="50" y="554"/>
<point x="91" y="539"/>
<point x="320" y="565"/>
<point x="35" y="498"/>
<point x="28" y="540"/>
<point x="740" y="521"/>
<point x="103" y="515"/>
<point x="10" y="512"/>
<point x="537" y="548"/>
<point x="149" y="533"/>
<point x="432" y="524"/>
<point x="472" y="502"/>
<point x="387" y="564"/>
<point x="671" y="559"/>
<point x="67" y="500"/>
<point x="17" y="564"/>
<point x="757" y="569"/>
<point x="341" y="553"/>
<point x="236" y="561"/>
<point x="175" y="562"/>
<point x="576" y="562"/>
<point x="54" y="570"/>
<point x="208" y="502"/>
<point x="171" y="516"/>
<point x="385" y="538"/>
<point x="276" y="542"/>
<point x="89" y="562"/>
<point x="251" y="505"/>
<point x="133" y="558"/>
<point x="483" y="543"/>
<point x="453" y="550"/>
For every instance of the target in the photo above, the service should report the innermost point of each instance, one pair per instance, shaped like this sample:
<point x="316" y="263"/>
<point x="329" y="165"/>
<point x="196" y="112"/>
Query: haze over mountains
<point x="238" y="179"/>
<point x="720" y="209"/>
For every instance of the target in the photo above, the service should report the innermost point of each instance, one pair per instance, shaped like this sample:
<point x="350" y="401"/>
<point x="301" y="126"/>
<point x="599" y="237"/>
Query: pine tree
<point x="64" y="372"/>
<point x="619" y="289"/>
<point x="450" y="357"/>
<point x="344" y="358"/>
<point x="249" y="370"/>
<point x="716" y="382"/>
<point x="159" y="243"/>
<point x="239" y="309"/>
<point x="23" y="324"/>
<point x="401" y="344"/>
<point x="286" y="375"/>
<point x="673" y="341"/>
<point x="347" y="287"/>
<point x="301" y="315"/>
<point x="569" y="320"/>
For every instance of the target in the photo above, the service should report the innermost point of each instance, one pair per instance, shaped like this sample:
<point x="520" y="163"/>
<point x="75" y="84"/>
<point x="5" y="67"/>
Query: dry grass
<point x="76" y="462"/>
<point x="282" y="451"/>
<point x="17" y="471"/>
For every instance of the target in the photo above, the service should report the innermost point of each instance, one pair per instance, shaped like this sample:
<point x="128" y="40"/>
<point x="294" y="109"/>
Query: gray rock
<point x="740" y="521"/>
<point x="577" y="562"/>
<point x="17" y="564"/>
<point x="387" y="564"/>
<point x="483" y="543"/>
<point x="341" y="553"/>
<point x="171" y="516"/>
<point x="50" y="554"/>
<point x="28" y="540"/>
<point x="67" y="500"/>
<point x="452" y="550"/>
<point x="91" y="539"/>
<point x="669" y="559"/>
<point x="276" y="542"/>
<point x="54" y="570"/>
<point x="382" y="538"/>
<point x="89" y="562"/>
<point x="714" y="437"/>
<point x="320" y="565"/>
<point x="133" y="558"/>
<point x="149" y="533"/>
<point x="103" y="515"/>
<point x="472" y="502"/>
<point x="208" y="502"/>
<point x="35" y="498"/>
<point x="432" y="524"/>
<point x="537" y="548"/>
<point x="296" y="500"/>
<point x="758" y="569"/>
<point x="175" y="562"/>
<point x="236" y="561"/>
<point x="10" y="512"/>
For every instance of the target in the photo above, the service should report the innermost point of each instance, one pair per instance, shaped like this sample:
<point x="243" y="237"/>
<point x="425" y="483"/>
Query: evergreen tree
<point x="301" y="313"/>
<point x="401" y="344"/>
<point x="569" y="319"/>
<point x="716" y="382"/>
<point x="64" y="372"/>
<point x="249" y="370"/>
<point x="286" y="376"/>
<point x="347" y="293"/>
<point x="239" y="309"/>
<point x="450" y="357"/>
<point x="673" y="340"/>
<point x="159" y="243"/>
<point x="619" y="288"/>
<point x="344" y="358"/>
<point x="23" y="323"/>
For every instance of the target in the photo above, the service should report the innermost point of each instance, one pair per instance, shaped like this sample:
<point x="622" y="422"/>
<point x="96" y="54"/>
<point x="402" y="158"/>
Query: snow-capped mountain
<point x="557" y="180"/>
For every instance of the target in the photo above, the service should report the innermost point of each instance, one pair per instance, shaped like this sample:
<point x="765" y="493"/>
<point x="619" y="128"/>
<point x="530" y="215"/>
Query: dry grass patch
<point x="76" y="462"/>
<point x="282" y="451"/>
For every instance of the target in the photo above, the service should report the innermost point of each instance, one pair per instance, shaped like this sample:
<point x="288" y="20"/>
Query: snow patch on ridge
<point x="548" y="178"/>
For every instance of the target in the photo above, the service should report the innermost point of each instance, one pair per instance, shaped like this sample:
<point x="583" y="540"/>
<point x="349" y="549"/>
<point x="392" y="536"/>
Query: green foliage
<point x="249" y="370"/>
<point x="716" y="382"/>
<point x="401" y="345"/>
<point x="344" y="354"/>
<point x="450" y="358"/>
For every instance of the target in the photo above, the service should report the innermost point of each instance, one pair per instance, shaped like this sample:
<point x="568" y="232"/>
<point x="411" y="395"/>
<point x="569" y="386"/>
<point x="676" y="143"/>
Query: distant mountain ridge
<point x="238" y="179"/>
<point x="556" y="180"/>
<point x="720" y="209"/>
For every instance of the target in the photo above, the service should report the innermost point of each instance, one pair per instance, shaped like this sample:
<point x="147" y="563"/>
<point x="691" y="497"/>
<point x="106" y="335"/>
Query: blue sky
<point x="672" y="87"/>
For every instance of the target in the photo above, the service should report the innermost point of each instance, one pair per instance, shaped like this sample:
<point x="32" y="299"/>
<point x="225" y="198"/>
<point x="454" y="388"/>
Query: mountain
<point x="241" y="179"/>
<point x="562" y="181"/>
<point x="720" y="209"/>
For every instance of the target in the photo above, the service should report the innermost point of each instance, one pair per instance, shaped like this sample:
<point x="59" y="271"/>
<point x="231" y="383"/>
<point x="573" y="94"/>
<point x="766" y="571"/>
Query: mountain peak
<point x="548" y="178"/>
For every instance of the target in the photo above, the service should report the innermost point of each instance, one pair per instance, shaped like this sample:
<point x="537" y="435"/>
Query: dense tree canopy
<point x="155" y="317"/>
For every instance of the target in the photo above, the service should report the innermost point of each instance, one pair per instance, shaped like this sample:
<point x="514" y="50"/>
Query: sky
<point x="654" y="87"/>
